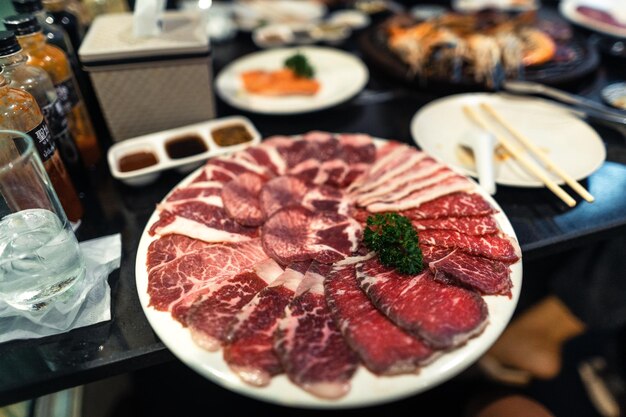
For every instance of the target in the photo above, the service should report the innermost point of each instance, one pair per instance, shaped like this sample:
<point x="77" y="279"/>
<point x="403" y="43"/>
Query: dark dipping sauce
<point x="184" y="146"/>
<point x="231" y="135"/>
<point x="137" y="160"/>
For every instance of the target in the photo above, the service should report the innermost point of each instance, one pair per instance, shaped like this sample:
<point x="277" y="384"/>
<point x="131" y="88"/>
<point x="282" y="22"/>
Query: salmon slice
<point x="283" y="82"/>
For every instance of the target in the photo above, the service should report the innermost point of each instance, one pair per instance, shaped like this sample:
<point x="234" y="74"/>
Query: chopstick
<point x="521" y="158"/>
<point x="539" y="153"/>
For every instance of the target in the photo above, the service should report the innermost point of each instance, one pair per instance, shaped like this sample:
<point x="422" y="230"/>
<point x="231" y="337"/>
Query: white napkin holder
<point x="150" y="83"/>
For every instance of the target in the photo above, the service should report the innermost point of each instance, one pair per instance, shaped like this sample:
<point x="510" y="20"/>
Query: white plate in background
<point x="439" y="127"/>
<point x="250" y="14"/>
<point x="614" y="8"/>
<point x="341" y="76"/>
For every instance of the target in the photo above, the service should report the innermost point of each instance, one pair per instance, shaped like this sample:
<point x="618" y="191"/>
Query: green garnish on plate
<point x="394" y="239"/>
<point x="300" y="65"/>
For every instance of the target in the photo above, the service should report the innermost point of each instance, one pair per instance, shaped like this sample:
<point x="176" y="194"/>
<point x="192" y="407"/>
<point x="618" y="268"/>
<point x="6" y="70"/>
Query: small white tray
<point x="155" y="143"/>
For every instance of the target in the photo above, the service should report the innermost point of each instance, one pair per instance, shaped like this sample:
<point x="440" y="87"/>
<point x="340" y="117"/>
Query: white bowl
<point x="273" y="36"/>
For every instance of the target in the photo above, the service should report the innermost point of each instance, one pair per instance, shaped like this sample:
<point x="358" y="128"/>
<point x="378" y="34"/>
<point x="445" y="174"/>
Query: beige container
<point x="146" y="85"/>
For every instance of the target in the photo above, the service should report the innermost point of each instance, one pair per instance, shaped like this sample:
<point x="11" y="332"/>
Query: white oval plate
<point x="251" y="14"/>
<point x="367" y="388"/>
<point x="439" y="127"/>
<point x="569" y="9"/>
<point x="341" y="76"/>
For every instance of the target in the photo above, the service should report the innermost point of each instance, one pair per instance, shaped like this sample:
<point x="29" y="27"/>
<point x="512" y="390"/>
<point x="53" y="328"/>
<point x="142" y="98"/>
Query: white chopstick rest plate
<point x="571" y="143"/>
<point x="538" y="153"/>
<point x="520" y="157"/>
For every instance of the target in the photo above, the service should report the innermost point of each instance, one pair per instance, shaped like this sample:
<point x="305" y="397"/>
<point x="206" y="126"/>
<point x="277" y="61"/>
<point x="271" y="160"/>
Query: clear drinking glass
<point x="39" y="255"/>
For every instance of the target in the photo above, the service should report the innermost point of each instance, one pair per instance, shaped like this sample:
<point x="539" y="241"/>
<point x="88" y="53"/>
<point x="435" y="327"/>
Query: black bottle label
<point x="53" y="113"/>
<point x="67" y="94"/>
<point x="55" y="117"/>
<point x="43" y="140"/>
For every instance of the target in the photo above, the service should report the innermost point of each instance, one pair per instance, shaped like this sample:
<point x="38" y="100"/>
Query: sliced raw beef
<point x="249" y="350"/>
<point x="308" y="343"/>
<point x="328" y="147"/>
<point x="355" y="171"/>
<point x="192" y="269"/>
<point x="238" y="166"/>
<point x="294" y="151"/>
<point x="282" y="192"/>
<point x="469" y="225"/>
<point x="384" y="348"/>
<point x="443" y="315"/>
<point x="325" y="198"/>
<point x="214" y="173"/>
<point x="199" y="220"/>
<point x="210" y="317"/>
<point x="297" y="234"/>
<point x="360" y="214"/>
<point x="451" y="185"/>
<point x="208" y="191"/>
<point x="165" y="250"/>
<point x="484" y="275"/>
<point x="424" y="168"/>
<point x="433" y="253"/>
<point x="399" y="166"/>
<point x="306" y="171"/>
<point x="265" y="156"/>
<point x="241" y="199"/>
<point x="413" y="187"/>
<point x="312" y="171"/>
<point x="332" y="172"/>
<point x="451" y="205"/>
<point x="386" y="148"/>
<point x="498" y="247"/>
<point x="396" y="156"/>
<point x="357" y="148"/>
<point x="288" y="191"/>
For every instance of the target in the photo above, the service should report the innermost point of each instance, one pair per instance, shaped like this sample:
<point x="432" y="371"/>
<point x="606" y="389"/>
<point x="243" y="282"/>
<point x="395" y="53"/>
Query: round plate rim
<point x="568" y="10"/>
<point x="286" y="394"/>
<point x="415" y="120"/>
<point x="359" y="65"/>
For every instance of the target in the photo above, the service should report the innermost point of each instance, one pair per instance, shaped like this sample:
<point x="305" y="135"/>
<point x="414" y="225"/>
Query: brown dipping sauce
<point x="184" y="146"/>
<point x="137" y="160"/>
<point x="231" y="135"/>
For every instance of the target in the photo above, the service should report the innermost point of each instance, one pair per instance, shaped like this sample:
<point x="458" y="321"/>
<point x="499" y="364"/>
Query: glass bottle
<point x="19" y="111"/>
<point x="54" y="61"/>
<point x="55" y="34"/>
<point x="37" y="82"/>
<point x="58" y="14"/>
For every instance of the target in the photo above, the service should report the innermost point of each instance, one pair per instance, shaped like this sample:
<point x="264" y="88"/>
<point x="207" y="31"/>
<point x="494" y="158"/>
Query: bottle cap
<point x="27" y="6"/>
<point x="22" y="24"/>
<point x="8" y="43"/>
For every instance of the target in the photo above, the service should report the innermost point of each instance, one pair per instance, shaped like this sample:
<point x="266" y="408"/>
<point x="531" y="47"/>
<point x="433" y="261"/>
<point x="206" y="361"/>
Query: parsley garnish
<point x="299" y="64"/>
<point x="393" y="237"/>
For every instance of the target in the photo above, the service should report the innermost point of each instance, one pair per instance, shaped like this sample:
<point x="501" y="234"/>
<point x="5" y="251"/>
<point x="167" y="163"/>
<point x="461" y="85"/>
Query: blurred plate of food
<point x="475" y="5"/>
<point x="439" y="128"/>
<point x="604" y="16"/>
<point x="479" y="49"/>
<point x="335" y="28"/>
<point x="283" y="35"/>
<point x="291" y="80"/>
<point x="250" y="14"/>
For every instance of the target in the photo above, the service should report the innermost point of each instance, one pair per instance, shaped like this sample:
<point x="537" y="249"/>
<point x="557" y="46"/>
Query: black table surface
<point x="543" y="225"/>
